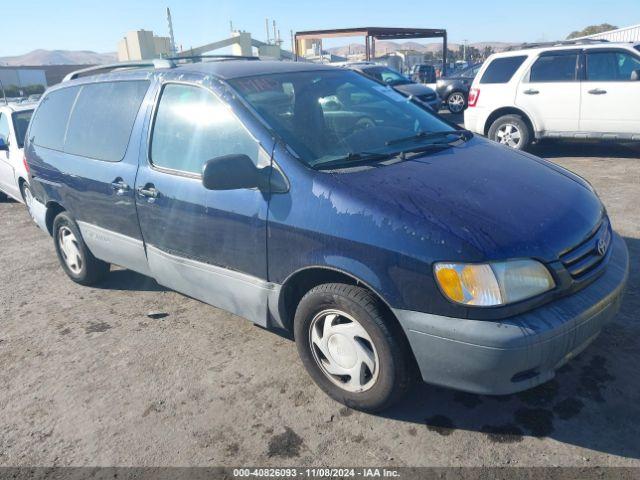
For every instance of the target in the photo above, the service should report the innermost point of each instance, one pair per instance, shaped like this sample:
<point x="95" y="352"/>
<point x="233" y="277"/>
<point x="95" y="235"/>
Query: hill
<point x="59" y="57"/>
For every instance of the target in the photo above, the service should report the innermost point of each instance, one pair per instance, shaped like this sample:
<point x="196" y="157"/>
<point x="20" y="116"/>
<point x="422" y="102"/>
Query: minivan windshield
<point x="327" y="116"/>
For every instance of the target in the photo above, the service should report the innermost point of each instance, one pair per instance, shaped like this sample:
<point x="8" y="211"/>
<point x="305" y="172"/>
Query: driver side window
<point x="4" y="128"/>
<point x="193" y="126"/>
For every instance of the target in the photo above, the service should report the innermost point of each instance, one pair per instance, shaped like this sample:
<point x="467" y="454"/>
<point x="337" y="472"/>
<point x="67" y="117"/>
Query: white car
<point x="579" y="89"/>
<point x="14" y="179"/>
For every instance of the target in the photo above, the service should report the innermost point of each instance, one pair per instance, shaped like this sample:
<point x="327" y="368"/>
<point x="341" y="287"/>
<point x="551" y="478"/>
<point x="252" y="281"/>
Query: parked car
<point x="14" y="181"/>
<point x="422" y="73"/>
<point x="420" y="93"/>
<point x="397" y="245"/>
<point x="454" y="89"/>
<point x="577" y="89"/>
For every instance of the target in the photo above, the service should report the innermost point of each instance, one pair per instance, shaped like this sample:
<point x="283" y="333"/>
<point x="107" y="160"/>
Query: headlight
<point x="491" y="284"/>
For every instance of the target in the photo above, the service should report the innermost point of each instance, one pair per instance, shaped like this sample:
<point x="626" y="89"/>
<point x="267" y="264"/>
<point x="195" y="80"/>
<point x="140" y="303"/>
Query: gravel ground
<point x="88" y="378"/>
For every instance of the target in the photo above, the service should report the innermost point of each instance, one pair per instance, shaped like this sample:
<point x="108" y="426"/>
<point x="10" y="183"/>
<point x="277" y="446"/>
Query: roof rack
<point x="97" y="69"/>
<point x="560" y="43"/>
<point x="200" y="58"/>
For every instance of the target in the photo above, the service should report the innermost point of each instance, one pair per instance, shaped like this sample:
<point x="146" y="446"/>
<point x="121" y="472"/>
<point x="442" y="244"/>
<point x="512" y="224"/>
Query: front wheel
<point x="512" y="131"/>
<point x="456" y="102"/>
<point x="351" y="349"/>
<point x="76" y="259"/>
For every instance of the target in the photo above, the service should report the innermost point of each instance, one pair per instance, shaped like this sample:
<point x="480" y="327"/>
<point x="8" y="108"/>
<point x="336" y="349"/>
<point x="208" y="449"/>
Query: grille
<point x="587" y="256"/>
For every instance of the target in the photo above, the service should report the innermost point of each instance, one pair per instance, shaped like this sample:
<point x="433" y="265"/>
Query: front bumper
<point x="507" y="356"/>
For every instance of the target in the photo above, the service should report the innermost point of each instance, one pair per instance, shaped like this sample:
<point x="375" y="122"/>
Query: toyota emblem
<point x="602" y="247"/>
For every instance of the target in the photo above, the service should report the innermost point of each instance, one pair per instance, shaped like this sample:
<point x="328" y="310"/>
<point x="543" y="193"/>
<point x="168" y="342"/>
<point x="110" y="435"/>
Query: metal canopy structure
<point x="371" y="34"/>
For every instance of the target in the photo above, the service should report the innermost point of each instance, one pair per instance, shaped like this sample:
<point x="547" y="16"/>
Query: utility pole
<point x="266" y="22"/>
<point x="172" y="41"/>
<point x="464" y="50"/>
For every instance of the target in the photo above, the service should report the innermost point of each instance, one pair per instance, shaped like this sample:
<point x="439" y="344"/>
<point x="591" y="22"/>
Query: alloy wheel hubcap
<point x="70" y="250"/>
<point x="456" y="102"/>
<point x="343" y="350"/>
<point x="509" y="134"/>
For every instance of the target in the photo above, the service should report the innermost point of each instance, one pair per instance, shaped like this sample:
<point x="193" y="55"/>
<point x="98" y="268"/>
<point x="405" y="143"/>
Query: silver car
<point x="416" y="91"/>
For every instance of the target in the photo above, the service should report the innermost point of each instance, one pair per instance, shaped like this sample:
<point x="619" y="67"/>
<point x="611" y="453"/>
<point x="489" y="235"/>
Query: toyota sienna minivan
<point x="308" y="198"/>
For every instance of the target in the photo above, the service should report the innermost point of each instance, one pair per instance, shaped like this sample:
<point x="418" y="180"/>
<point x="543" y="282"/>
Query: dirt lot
<point x="88" y="378"/>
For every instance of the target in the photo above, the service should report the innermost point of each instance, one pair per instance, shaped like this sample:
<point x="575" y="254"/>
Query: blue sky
<point x="88" y="25"/>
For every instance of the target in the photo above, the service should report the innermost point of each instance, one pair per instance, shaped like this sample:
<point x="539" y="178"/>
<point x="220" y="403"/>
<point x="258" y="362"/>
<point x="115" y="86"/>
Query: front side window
<point x="559" y="67"/>
<point x="50" y="121"/>
<point x="329" y="115"/>
<point x="4" y="128"/>
<point x="102" y="119"/>
<point x="502" y="69"/>
<point x="193" y="126"/>
<point x="20" y="125"/>
<point x="611" y="66"/>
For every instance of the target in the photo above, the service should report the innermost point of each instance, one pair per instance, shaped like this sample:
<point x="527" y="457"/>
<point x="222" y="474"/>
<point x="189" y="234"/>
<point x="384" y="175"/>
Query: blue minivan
<point x="390" y="243"/>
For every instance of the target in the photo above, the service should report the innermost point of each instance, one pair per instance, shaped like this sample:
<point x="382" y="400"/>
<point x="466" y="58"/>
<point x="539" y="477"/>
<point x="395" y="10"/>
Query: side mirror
<point x="231" y="172"/>
<point x="4" y="146"/>
<point x="635" y="75"/>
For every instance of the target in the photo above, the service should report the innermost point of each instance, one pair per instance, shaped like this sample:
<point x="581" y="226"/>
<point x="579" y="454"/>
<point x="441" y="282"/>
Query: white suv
<point x="584" y="90"/>
<point x="14" y="179"/>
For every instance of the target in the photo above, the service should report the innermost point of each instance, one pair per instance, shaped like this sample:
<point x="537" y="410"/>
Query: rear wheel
<point x="456" y="102"/>
<point x="76" y="259"/>
<point x="350" y="347"/>
<point x="512" y="131"/>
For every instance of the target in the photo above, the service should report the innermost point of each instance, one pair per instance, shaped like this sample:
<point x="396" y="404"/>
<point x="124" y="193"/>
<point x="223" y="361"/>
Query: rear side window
<point x="102" y="119"/>
<point x="193" y="126"/>
<point x="560" y="67"/>
<point x="20" y="125"/>
<point x="50" y="122"/>
<point x="610" y="66"/>
<point x="501" y="70"/>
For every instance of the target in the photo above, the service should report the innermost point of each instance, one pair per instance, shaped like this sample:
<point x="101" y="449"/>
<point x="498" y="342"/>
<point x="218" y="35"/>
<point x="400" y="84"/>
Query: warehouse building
<point x="626" y="34"/>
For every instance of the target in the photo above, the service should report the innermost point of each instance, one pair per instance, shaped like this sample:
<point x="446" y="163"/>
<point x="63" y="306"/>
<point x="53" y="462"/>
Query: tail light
<point x="26" y="165"/>
<point x="474" y="94"/>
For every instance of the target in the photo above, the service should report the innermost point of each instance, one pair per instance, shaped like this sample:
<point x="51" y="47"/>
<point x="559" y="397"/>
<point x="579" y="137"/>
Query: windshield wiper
<point x="353" y="158"/>
<point x="461" y="134"/>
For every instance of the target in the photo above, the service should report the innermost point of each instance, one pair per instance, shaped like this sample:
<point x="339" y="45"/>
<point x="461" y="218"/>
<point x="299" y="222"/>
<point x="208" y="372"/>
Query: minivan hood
<point x="496" y="202"/>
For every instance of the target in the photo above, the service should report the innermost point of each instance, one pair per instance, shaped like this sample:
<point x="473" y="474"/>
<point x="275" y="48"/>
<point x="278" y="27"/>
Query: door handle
<point x="597" y="91"/>
<point x="148" y="191"/>
<point x="119" y="186"/>
<point x="531" y="91"/>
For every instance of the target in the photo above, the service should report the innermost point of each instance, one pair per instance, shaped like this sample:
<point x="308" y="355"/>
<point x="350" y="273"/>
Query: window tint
<point x="102" y="119"/>
<point x="20" y="125"/>
<point x="4" y="128"/>
<point x="554" y="68"/>
<point x="193" y="126"/>
<point x="502" y="69"/>
<point x="611" y="66"/>
<point x="52" y="115"/>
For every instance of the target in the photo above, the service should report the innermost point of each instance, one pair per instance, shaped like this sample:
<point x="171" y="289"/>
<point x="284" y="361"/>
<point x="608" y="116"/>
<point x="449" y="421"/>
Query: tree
<point x="592" y="30"/>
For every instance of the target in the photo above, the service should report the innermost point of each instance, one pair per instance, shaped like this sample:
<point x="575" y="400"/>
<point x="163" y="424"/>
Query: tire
<point x="504" y="129"/>
<point x="361" y="329"/>
<point x="3" y="197"/>
<point x="456" y="102"/>
<point x="82" y="267"/>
